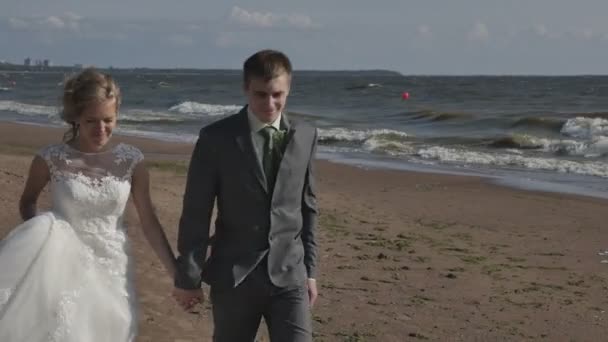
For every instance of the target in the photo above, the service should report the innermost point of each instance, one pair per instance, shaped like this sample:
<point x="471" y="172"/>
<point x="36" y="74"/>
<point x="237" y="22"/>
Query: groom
<point x="257" y="167"/>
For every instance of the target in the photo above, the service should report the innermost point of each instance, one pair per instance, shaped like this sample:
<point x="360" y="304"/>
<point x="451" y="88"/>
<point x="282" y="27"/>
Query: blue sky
<point x="412" y="37"/>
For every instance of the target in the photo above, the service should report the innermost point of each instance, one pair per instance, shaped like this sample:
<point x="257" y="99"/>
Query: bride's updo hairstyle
<point x="87" y="87"/>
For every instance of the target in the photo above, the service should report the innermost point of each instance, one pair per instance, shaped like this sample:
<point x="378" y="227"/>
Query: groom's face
<point x="267" y="98"/>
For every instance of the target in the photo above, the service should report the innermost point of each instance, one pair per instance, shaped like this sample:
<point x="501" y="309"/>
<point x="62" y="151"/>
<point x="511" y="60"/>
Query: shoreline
<point x="162" y="151"/>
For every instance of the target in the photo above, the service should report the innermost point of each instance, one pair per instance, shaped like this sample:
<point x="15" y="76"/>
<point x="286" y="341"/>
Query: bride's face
<point x="95" y="125"/>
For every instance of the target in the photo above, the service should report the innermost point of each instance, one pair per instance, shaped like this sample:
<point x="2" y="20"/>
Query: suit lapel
<point x="290" y="145"/>
<point x="243" y="140"/>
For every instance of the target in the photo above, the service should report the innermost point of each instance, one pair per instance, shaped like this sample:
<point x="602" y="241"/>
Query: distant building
<point x="27" y="62"/>
<point x="46" y="63"/>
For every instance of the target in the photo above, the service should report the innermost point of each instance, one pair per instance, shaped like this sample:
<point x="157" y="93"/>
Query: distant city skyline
<point x="548" y="37"/>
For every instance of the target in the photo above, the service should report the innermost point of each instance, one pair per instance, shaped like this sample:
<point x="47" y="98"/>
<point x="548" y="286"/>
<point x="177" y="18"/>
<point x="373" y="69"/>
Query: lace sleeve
<point x="130" y="155"/>
<point x="48" y="153"/>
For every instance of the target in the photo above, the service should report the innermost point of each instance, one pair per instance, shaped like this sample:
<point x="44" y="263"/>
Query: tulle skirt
<point x="53" y="287"/>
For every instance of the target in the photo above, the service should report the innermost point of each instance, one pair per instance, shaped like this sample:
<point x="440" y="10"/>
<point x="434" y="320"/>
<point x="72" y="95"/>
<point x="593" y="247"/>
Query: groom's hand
<point x="312" y="291"/>
<point x="187" y="299"/>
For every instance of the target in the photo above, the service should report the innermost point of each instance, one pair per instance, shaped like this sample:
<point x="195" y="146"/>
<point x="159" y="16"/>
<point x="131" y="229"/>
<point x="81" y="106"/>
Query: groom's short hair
<point x="266" y="64"/>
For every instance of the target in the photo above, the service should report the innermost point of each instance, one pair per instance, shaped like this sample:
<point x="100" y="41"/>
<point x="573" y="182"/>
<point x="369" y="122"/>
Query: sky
<point x="422" y="37"/>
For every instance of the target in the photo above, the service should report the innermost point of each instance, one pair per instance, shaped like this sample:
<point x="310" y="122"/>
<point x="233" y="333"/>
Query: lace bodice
<point x="90" y="191"/>
<point x="89" y="185"/>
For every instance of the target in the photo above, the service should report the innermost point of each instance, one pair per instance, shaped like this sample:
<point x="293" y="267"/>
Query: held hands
<point x="188" y="299"/>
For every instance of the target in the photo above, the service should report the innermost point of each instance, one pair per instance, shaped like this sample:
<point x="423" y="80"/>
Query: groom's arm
<point x="310" y="214"/>
<point x="199" y="199"/>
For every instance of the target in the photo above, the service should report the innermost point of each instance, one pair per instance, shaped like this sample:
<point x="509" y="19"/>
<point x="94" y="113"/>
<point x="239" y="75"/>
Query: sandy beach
<point x="404" y="256"/>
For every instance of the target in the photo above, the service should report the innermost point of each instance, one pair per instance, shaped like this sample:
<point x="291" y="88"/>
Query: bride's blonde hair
<point x="87" y="87"/>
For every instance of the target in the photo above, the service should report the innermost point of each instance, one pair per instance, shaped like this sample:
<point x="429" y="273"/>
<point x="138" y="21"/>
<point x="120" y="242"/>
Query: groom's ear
<point x="246" y="84"/>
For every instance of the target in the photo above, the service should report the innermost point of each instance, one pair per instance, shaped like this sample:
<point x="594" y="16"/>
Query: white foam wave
<point x="173" y="137"/>
<point x="28" y="109"/>
<point x="191" y="107"/>
<point x="349" y="135"/>
<point x="585" y="128"/>
<point x="589" y="149"/>
<point x="592" y="168"/>
<point x="588" y="138"/>
<point x="146" y="115"/>
<point x="388" y="146"/>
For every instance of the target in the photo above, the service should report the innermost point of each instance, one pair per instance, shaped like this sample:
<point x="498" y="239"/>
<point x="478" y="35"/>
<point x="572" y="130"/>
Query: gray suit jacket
<point x="251" y="223"/>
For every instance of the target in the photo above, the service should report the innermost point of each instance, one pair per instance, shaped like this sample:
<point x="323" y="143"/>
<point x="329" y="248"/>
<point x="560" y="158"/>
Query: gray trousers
<point x="237" y="312"/>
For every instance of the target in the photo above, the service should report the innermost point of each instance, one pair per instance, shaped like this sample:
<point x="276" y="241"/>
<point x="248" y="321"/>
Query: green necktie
<point x="272" y="154"/>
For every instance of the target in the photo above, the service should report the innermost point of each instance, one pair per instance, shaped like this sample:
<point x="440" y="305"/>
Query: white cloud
<point x="53" y="22"/>
<point x="256" y="19"/>
<point x="268" y="20"/>
<point x="18" y="24"/>
<point x="67" y="21"/>
<point x="479" y="33"/>
<point x="300" y="21"/>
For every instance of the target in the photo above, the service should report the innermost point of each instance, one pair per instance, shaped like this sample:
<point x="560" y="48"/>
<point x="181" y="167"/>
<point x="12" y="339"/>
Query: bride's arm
<point x="149" y="221"/>
<point x="37" y="178"/>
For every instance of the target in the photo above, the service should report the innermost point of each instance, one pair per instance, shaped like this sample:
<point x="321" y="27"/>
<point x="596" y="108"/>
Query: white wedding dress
<point x="65" y="275"/>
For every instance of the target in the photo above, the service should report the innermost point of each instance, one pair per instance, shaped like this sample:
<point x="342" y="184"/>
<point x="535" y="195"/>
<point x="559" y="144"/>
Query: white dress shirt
<point x="258" y="139"/>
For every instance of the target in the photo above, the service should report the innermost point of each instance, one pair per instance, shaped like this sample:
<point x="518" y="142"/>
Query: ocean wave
<point x="158" y="121"/>
<point x="191" y="107"/>
<point x="519" y="141"/>
<point x="592" y="115"/>
<point x="28" y="109"/>
<point x="398" y="143"/>
<point x="363" y="86"/>
<point x="452" y="155"/>
<point x="339" y="134"/>
<point x="388" y="146"/>
<point x="550" y="124"/>
<point x="591" y="148"/>
<point x="586" y="128"/>
<point x="433" y="116"/>
<point x="598" y="147"/>
<point x="172" y="137"/>
<point x="146" y="116"/>
<point x="381" y="141"/>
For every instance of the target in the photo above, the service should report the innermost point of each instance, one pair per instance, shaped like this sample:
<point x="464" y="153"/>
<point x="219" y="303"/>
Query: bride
<point x="66" y="274"/>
